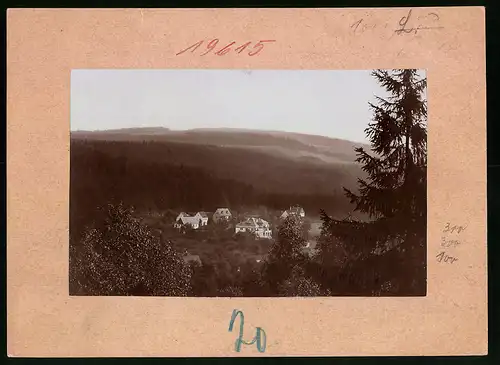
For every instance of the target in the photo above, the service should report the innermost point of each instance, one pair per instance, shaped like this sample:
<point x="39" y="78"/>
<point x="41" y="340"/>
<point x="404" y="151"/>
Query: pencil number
<point x="225" y="49"/>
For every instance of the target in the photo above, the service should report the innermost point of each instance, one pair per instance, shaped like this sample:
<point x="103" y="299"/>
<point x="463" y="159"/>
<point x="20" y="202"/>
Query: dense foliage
<point x="120" y="256"/>
<point x="298" y="284"/>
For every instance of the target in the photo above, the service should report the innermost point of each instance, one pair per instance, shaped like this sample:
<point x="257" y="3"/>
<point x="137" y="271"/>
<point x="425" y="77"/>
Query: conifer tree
<point x="397" y="165"/>
<point x="285" y="253"/>
<point x="288" y="247"/>
<point x="394" y="193"/>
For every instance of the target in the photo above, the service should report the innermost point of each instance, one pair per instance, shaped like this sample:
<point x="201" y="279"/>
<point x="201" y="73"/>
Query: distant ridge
<point x="309" y="149"/>
<point x="319" y="139"/>
<point x="133" y="130"/>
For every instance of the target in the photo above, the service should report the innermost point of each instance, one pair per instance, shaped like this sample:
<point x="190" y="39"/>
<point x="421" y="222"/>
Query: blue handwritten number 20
<point x="260" y="335"/>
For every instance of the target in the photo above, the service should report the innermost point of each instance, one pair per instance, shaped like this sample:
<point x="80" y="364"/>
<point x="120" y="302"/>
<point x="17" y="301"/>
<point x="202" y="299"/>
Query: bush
<point x="230" y="291"/>
<point x="299" y="285"/>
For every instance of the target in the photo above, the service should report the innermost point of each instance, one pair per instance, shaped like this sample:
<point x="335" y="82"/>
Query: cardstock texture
<point x="44" y="45"/>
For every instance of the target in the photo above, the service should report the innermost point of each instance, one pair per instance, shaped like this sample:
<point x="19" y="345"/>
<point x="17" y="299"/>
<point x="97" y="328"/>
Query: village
<point x="252" y="224"/>
<point x="247" y="228"/>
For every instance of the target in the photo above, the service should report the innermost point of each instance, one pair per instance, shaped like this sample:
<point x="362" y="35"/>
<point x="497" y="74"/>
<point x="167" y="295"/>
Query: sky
<point x="319" y="102"/>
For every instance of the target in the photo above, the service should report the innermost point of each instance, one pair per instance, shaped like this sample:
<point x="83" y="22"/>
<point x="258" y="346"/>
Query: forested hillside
<point x="160" y="175"/>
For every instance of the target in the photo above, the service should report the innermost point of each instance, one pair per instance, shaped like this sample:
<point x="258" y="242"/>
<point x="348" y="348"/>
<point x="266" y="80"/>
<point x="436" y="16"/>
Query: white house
<point x="295" y="211"/>
<point x="257" y="226"/>
<point x="203" y="217"/>
<point x="222" y="214"/>
<point x="195" y="221"/>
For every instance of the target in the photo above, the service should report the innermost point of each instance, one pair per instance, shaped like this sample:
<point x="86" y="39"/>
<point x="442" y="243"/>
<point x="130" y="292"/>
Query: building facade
<point x="195" y="221"/>
<point x="257" y="226"/>
<point x="222" y="215"/>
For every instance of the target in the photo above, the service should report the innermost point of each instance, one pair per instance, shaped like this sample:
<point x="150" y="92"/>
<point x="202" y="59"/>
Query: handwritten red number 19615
<point x="252" y="51"/>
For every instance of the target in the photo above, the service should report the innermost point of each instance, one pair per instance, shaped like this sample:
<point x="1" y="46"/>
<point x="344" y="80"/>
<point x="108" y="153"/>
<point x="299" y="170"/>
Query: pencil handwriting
<point x="408" y="24"/>
<point x="449" y="243"/>
<point x="406" y="28"/>
<point x="444" y="257"/>
<point x="453" y="228"/>
<point x="361" y="26"/>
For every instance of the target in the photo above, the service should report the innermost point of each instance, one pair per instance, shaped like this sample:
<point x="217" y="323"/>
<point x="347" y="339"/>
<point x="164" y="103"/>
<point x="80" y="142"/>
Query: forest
<point x="372" y="211"/>
<point x="160" y="175"/>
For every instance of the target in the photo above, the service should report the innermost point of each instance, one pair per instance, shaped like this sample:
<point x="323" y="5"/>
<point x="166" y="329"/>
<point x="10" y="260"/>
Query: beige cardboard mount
<point x="44" y="45"/>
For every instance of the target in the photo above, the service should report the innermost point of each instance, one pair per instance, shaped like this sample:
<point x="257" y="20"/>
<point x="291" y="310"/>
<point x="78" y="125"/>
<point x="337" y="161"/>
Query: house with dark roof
<point x="221" y="215"/>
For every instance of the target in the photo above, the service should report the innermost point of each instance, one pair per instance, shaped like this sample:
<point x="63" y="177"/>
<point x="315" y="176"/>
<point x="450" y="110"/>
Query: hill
<point x="280" y="144"/>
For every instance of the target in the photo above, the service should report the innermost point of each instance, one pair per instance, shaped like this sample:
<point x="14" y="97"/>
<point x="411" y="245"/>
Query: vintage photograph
<point x="248" y="183"/>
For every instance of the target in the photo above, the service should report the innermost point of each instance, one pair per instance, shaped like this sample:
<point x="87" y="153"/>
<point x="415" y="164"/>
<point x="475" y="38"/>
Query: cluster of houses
<point x="251" y="224"/>
<point x="200" y="219"/>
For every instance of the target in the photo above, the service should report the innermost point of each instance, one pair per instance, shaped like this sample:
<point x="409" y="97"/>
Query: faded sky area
<point x="328" y="103"/>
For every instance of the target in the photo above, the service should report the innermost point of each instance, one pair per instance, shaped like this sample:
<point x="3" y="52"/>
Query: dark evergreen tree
<point x="288" y="247"/>
<point x="394" y="194"/>
<point x="285" y="253"/>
